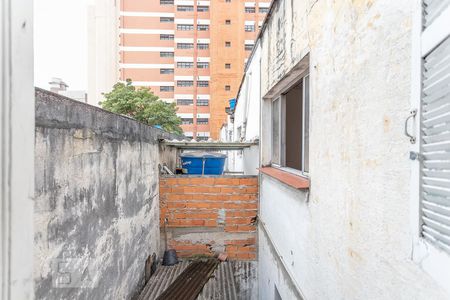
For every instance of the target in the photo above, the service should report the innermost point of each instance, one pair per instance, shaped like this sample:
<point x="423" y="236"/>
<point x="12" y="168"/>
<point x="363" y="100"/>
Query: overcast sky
<point x="60" y="42"/>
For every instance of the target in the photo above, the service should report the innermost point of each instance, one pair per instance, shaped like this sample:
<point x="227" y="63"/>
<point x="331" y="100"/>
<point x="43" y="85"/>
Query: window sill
<point x="295" y="181"/>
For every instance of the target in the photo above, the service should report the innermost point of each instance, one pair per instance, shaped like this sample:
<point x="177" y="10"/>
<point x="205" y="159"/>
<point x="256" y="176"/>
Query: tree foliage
<point x="142" y="105"/>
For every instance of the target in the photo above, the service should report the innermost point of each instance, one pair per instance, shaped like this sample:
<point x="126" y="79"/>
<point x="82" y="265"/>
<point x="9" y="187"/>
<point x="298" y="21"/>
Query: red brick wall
<point x="208" y="215"/>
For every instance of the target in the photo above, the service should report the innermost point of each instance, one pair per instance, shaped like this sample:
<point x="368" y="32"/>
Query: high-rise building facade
<point x="189" y="52"/>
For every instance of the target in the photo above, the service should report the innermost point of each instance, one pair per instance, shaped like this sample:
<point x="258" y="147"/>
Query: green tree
<point x="142" y="105"/>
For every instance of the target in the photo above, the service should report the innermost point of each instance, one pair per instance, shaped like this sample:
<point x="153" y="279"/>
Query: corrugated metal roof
<point x="231" y="280"/>
<point x="189" y="284"/>
<point x="162" y="278"/>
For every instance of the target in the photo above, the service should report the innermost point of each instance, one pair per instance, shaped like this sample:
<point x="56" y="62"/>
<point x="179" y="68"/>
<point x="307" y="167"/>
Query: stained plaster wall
<point x="350" y="236"/>
<point x="97" y="202"/>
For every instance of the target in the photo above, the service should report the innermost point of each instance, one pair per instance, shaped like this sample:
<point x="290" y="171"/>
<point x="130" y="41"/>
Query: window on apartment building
<point x="185" y="45"/>
<point x="202" y="121"/>
<point x="202" y="27"/>
<point x="166" y="37"/>
<point x="202" y="102"/>
<point x="187" y="121"/>
<point x="202" y="138"/>
<point x="185" y="83"/>
<point x="185" y="65"/>
<point x="164" y="88"/>
<point x="227" y="88"/>
<point x="203" y="65"/>
<point x="202" y="46"/>
<point x="185" y="8"/>
<point x="249" y="28"/>
<point x="290" y="127"/>
<point x="263" y="10"/>
<point x="248" y="47"/>
<point x="165" y="54"/>
<point x="227" y="22"/>
<point x="227" y="66"/>
<point x="227" y="44"/>
<point x="165" y="71"/>
<point x="202" y="83"/>
<point x="228" y="1"/>
<point x="250" y="10"/>
<point x="166" y="20"/>
<point x="433" y="131"/>
<point x="202" y="8"/>
<point x="166" y="2"/>
<point x="185" y="102"/>
<point x="185" y="27"/>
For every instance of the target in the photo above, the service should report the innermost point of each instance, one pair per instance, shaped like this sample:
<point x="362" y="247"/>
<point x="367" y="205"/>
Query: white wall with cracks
<point x="97" y="203"/>
<point x="353" y="239"/>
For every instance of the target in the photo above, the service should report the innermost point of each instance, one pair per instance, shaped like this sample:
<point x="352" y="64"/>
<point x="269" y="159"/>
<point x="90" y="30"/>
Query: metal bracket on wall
<point x="412" y="114"/>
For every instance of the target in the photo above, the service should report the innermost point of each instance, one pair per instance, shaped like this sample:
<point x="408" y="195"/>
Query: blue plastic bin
<point x="203" y="163"/>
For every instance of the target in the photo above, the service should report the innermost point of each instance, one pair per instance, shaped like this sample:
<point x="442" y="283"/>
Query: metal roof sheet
<point x="231" y="280"/>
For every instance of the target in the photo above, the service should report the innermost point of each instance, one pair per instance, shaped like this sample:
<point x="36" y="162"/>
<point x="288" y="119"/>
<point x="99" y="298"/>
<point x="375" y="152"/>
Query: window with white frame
<point x="165" y="88"/>
<point x="250" y="10"/>
<point x="202" y="121"/>
<point x="185" y="45"/>
<point x="185" y="102"/>
<point x="203" y="65"/>
<point x="185" y="83"/>
<point x="166" y="19"/>
<point x="290" y="127"/>
<point x="185" y="27"/>
<point x="202" y="27"/>
<point x="185" y="8"/>
<point x="187" y="121"/>
<point x="249" y="28"/>
<point x="166" y="71"/>
<point x="165" y="54"/>
<point x="434" y="115"/>
<point x="185" y="64"/>
<point x="202" y="102"/>
<point x="166" y="2"/>
<point x="202" y="46"/>
<point x="203" y="8"/>
<point x="202" y="83"/>
<point x="166" y="37"/>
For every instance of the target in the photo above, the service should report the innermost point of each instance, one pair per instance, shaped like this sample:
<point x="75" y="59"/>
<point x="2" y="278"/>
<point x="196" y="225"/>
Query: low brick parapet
<point x="208" y="215"/>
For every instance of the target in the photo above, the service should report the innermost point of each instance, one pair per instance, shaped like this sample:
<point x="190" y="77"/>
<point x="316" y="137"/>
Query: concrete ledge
<point x="56" y="111"/>
<point x="209" y="176"/>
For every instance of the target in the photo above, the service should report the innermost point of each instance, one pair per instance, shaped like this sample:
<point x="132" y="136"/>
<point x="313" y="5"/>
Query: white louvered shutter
<point x="435" y="125"/>
<point x="432" y="9"/>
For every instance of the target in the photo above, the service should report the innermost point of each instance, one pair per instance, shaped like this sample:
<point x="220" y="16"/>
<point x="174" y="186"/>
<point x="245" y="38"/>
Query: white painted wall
<point x="103" y="41"/>
<point x="16" y="149"/>
<point x="246" y="120"/>
<point x="352" y="237"/>
<point x="247" y="114"/>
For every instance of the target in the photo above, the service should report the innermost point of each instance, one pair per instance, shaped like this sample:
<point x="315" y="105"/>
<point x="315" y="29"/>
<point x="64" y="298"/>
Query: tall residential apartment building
<point x="189" y="52"/>
<point x="103" y="55"/>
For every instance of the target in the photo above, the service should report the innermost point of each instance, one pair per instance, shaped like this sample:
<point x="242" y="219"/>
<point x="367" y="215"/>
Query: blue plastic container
<point x="203" y="163"/>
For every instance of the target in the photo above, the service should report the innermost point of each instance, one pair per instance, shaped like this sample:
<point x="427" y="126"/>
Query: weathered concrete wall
<point x="210" y="215"/>
<point x="354" y="238"/>
<point x="97" y="206"/>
